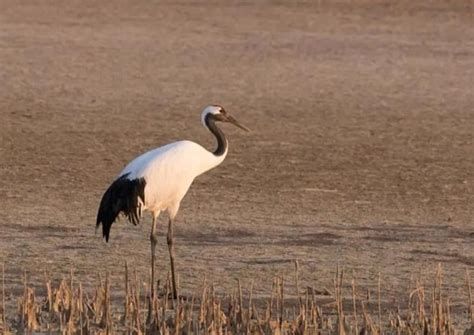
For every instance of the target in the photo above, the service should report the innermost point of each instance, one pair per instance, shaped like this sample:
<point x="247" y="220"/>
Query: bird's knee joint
<point x="153" y="238"/>
<point x="169" y="239"/>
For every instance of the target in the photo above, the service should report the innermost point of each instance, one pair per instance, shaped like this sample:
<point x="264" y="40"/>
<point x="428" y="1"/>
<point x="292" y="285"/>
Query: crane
<point x="158" y="180"/>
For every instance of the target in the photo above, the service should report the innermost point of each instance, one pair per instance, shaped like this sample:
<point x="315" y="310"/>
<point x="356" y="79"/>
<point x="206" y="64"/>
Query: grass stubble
<point x="65" y="308"/>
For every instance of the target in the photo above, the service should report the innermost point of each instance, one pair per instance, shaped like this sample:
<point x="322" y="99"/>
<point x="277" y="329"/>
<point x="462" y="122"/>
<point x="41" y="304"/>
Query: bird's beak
<point x="236" y="123"/>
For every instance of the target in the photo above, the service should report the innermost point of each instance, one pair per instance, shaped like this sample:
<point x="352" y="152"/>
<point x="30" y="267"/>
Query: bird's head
<point x="217" y="113"/>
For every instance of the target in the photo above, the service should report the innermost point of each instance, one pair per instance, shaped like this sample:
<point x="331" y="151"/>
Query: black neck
<point x="221" y="139"/>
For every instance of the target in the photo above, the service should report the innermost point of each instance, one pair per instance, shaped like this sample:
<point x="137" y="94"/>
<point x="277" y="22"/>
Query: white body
<point x="169" y="172"/>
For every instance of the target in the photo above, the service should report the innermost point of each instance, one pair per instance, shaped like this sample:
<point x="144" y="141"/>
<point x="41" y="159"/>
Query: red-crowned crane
<point x="158" y="180"/>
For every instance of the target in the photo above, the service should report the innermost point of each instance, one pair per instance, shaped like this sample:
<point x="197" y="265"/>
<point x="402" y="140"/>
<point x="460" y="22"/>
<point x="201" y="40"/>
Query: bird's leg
<point x="153" y="241"/>
<point x="171" y="250"/>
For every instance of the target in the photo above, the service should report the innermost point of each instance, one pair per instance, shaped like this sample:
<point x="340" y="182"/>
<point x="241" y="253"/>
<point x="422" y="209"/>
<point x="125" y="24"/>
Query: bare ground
<point x="362" y="151"/>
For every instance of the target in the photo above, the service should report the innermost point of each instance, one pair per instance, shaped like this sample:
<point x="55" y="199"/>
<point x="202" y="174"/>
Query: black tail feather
<point x="123" y="196"/>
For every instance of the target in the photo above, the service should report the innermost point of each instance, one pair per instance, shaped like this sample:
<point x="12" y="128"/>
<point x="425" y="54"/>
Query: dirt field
<point x="361" y="152"/>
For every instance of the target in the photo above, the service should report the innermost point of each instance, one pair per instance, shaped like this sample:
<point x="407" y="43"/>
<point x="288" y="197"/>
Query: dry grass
<point x="67" y="309"/>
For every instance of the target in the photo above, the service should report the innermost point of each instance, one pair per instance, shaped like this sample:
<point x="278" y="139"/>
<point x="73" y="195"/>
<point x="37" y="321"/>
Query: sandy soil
<point x="362" y="151"/>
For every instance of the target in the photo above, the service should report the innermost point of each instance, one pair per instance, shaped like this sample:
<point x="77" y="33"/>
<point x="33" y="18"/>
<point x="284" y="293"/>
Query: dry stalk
<point x="338" y="278"/>
<point x="81" y="307"/>
<point x="379" y="304"/>
<point x="240" y="317"/>
<point x="106" y="305"/>
<point x="469" y="291"/>
<point x="356" y="328"/>
<point x="28" y="308"/>
<point x="190" y="316"/>
<point x="282" y="300"/>
<point x="202" y="310"/>
<point x="259" y="323"/>
<point x="177" y="318"/>
<point x="297" y="283"/>
<point x="250" y="309"/>
<point x="270" y="305"/>
<point x="127" y="297"/>
<point x="136" y="306"/>
<point x="4" y="311"/>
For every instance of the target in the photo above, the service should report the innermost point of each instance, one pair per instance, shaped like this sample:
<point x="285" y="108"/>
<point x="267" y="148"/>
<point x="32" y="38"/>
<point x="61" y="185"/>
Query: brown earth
<point x="361" y="153"/>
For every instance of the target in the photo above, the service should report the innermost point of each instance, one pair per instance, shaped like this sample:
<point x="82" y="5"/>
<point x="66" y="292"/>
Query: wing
<point x="125" y="196"/>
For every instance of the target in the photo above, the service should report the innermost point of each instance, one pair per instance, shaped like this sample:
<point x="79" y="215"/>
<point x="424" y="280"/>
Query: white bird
<point x="158" y="180"/>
